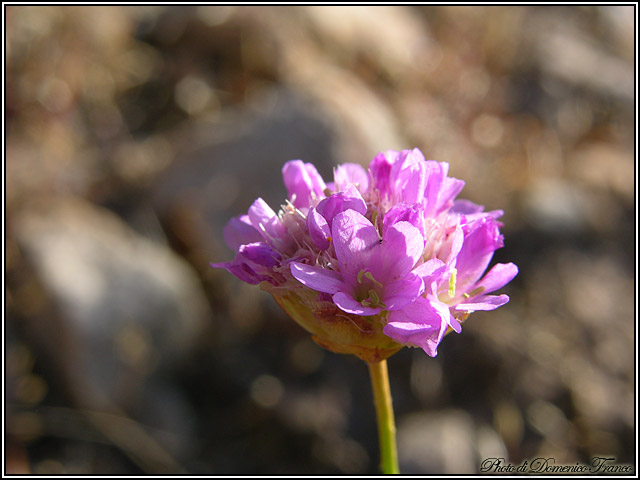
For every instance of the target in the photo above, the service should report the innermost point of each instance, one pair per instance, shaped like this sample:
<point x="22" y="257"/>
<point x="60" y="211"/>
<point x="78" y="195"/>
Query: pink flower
<point x="376" y="259"/>
<point x="371" y="274"/>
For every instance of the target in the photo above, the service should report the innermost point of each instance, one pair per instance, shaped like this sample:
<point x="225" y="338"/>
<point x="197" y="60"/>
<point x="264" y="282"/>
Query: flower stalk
<point x="384" y="413"/>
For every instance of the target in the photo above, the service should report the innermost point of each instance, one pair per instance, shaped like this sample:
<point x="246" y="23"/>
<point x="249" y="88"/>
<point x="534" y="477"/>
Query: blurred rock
<point x="321" y="411"/>
<point x="567" y="52"/>
<point x="445" y="442"/>
<point x="605" y="166"/>
<point x="347" y="455"/>
<point x="619" y="24"/>
<point x="390" y="36"/>
<point x="232" y="162"/>
<point x="130" y="309"/>
<point x="557" y="206"/>
<point x="363" y="120"/>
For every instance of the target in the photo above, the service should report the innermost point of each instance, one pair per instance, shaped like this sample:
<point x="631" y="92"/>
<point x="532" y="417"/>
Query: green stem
<point x="384" y="413"/>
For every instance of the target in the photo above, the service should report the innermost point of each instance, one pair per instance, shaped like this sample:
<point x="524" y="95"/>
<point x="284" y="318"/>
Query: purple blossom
<point x="372" y="274"/>
<point x="303" y="182"/>
<point x="376" y="259"/>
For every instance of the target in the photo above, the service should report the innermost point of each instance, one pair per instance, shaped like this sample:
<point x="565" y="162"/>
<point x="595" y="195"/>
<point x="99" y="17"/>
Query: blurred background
<point x="133" y="133"/>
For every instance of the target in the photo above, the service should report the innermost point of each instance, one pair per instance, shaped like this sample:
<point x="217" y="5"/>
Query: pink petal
<point x="477" y="250"/>
<point x="240" y="270"/>
<point x="497" y="277"/>
<point x="303" y="182"/>
<point x="380" y="169"/>
<point x="430" y="269"/>
<point x="354" y="239"/>
<point x="349" y="199"/>
<point x="351" y="173"/>
<point x="320" y="279"/>
<point x="261" y="254"/>
<point x="436" y="174"/>
<point x="466" y="207"/>
<point x="347" y="303"/>
<point x="247" y="270"/>
<point x="402" y="247"/>
<point x="418" y="324"/>
<point x="318" y="229"/>
<point x="265" y="220"/>
<point x="412" y="182"/>
<point x="400" y="293"/>
<point x="484" y="302"/>
<point x="450" y="188"/>
<point x="404" y="162"/>
<point x="452" y="244"/>
<point x="412" y="213"/>
<point x="432" y="273"/>
<point x="239" y="231"/>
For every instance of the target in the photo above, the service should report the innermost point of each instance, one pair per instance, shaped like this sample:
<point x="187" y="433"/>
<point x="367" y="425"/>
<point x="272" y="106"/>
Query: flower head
<point x="376" y="259"/>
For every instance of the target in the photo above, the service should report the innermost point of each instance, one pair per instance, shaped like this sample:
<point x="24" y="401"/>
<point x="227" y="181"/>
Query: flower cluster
<point x="376" y="259"/>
